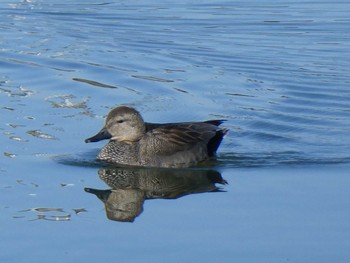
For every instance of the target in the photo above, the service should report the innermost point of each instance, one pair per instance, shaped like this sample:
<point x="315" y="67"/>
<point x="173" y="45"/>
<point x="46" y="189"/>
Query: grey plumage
<point x="134" y="142"/>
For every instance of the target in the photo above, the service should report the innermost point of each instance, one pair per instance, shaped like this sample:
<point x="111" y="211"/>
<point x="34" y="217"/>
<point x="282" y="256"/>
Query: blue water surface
<point x="277" y="72"/>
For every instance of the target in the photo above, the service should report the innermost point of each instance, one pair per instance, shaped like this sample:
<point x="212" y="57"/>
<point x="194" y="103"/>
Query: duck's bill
<point x="101" y="194"/>
<point x="102" y="135"/>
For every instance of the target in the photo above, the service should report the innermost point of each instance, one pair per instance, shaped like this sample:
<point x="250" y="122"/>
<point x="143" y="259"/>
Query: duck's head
<point x="123" y="124"/>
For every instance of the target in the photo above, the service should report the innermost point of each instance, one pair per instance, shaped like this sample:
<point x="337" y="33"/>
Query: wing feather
<point x="182" y="136"/>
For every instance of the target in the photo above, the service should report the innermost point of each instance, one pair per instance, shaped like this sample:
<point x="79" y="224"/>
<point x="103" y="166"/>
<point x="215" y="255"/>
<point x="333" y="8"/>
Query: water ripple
<point x="277" y="72"/>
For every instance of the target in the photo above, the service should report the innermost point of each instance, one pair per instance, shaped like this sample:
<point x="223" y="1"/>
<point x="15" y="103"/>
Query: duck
<point x="134" y="142"/>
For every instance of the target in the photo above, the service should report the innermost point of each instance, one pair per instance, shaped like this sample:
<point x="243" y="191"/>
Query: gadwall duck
<point x="138" y="143"/>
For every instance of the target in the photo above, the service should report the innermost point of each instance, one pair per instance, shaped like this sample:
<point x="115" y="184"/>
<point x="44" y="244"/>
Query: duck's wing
<point x="182" y="136"/>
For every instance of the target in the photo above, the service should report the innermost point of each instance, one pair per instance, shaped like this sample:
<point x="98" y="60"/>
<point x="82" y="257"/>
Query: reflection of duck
<point x="130" y="187"/>
<point x="120" y="204"/>
<point x="134" y="142"/>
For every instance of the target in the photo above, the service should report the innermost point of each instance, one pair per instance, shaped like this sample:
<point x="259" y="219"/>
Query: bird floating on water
<point x="138" y="143"/>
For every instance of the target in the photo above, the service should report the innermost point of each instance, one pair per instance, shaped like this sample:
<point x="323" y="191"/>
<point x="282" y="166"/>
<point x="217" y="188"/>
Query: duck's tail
<point x="214" y="142"/>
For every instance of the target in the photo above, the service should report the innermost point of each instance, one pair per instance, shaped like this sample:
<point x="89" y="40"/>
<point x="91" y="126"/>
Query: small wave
<point x="253" y="160"/>
<point x="87" y="159"/>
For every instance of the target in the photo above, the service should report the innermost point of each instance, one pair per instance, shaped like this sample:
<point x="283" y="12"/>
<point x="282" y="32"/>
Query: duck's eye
<point x="120" y="121"/>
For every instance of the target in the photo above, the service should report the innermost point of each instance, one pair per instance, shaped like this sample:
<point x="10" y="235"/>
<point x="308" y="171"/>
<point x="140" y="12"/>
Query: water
<point x="277" y="72"/>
